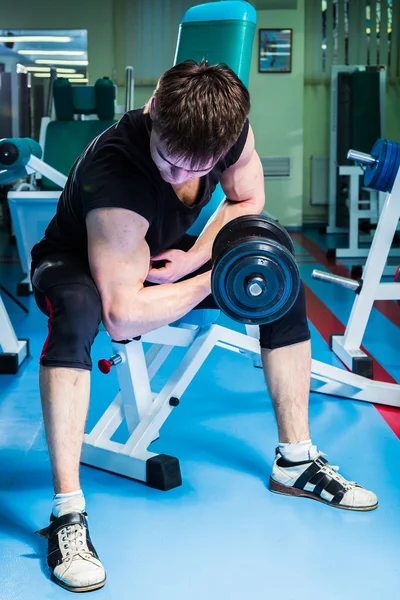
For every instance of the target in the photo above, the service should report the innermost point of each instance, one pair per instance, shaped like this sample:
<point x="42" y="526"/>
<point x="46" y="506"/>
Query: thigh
<point x="65" y="291"/>
<point x="60" y="269"/>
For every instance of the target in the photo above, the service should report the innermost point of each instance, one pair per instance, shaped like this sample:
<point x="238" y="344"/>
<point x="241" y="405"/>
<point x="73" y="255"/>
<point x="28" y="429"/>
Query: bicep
<point x="119" y="255"/>
<point x="244" y="180"/>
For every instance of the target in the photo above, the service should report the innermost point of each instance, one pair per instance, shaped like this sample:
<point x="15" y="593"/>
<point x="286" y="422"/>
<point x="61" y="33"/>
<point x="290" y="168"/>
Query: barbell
<point x="381" y="166"/>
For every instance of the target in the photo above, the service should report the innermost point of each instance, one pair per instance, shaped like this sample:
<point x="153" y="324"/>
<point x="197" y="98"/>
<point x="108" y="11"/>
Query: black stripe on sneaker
<point x="317" y="478"/>
<point x="338" y="497"/>
<point x="323" y="484"/>
<point x="283" y="462"/>
<point x="309" y="473"/>
<point x="334" y="487"/>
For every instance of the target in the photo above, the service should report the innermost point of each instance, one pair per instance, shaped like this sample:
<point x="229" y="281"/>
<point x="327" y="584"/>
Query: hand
<point x="176" y="265"/>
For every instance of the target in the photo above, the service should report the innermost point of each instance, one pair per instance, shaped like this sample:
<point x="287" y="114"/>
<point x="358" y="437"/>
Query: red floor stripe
<point x="388" y="308"/>
<point x="326" y="323"/>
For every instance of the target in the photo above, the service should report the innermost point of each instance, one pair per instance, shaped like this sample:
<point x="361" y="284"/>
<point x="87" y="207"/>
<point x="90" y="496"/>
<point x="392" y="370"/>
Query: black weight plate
<point x="249" y="258"/>
<point x="260" y="225"/>
<point x="249" y="226"/>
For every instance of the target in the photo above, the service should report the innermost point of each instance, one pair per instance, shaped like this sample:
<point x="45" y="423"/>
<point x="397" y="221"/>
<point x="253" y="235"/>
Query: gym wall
<point x="317" y="77"/>
<point x="277" y="116"/>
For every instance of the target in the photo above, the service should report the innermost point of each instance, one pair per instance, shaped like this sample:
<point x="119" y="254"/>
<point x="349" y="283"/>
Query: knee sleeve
<point x="290" y="329"/>
<point x="74" y="317"/>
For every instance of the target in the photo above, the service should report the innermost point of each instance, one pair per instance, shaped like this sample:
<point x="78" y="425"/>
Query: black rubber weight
<point x="248" y="226"/>
<point x="255" y="256"/>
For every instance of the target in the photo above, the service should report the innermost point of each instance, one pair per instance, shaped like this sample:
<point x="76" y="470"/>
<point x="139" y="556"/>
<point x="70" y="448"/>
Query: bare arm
<point x="119" y="259"/>
<point x="243" y="185"/>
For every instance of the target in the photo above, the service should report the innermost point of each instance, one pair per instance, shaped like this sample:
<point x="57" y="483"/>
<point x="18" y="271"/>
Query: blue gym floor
<point x="222" y="534"/>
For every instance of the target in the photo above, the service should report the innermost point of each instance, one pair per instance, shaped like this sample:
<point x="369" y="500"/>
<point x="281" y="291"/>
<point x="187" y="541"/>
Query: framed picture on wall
<point x="275" y="51"/>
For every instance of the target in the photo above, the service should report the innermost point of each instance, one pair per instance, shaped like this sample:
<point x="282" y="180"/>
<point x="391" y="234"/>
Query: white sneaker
<point x="319" y="480"/>
<point x="71" y="557"/>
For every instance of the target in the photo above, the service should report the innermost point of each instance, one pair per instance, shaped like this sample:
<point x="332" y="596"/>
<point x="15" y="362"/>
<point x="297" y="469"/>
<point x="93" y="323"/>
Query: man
<point x="128" y="202"/>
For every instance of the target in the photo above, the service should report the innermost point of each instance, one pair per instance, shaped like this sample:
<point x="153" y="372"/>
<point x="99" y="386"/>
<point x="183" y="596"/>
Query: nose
<point x="180" y="175"/>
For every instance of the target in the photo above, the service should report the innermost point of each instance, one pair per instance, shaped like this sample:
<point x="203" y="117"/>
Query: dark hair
<point x="200" y="110"/>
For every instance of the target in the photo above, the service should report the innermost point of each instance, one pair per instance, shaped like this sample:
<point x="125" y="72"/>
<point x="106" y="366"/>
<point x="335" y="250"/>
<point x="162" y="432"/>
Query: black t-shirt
<point x="116" y="170"/>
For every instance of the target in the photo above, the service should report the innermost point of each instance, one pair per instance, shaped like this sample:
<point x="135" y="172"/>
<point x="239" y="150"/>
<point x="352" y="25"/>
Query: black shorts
<point x="65" y="291"/>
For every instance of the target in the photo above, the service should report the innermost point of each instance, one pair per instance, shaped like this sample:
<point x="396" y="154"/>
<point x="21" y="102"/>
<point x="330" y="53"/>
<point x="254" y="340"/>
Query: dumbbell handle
<point x="346" y="282"/>
<point x="361" y="157"/>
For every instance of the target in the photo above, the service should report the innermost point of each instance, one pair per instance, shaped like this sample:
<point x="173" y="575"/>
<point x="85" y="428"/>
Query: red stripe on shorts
<point x="50" y="328"/>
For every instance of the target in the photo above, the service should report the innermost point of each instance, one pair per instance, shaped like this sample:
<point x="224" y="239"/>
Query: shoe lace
<point x="333" y="471"/>
<point x="73" y="543"/>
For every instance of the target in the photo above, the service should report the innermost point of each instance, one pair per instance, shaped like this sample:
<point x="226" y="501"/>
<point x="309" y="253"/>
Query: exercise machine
<point x="381" y="173"/>
<point x="32" y="210"/>
<point x="357" y="120"/>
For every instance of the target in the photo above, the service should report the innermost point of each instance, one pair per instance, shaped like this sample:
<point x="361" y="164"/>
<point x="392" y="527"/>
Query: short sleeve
<point x="234" y="153"/>
<point x="113" y="182"/>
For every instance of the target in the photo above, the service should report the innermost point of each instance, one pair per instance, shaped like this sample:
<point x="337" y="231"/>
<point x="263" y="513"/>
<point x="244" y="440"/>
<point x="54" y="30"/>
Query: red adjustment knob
<point x="104" y="366"/>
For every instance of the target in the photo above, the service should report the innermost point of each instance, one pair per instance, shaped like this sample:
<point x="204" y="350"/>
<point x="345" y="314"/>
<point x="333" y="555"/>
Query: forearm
<point x="158" y="305"/>
<point x="201" y="251"/>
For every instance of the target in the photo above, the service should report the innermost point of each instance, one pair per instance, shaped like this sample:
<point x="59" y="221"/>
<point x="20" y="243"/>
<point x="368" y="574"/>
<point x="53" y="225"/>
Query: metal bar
<point x="341" y="33"/>
<point x="317" y="37"/>
<point x="129" y="88"/>
<point x="329" y="37"/>
<point x="327" y="379"/>
<point x="383" y="34"/>
<point x="361" y="157"/>
<point x="388" y="291"/>
<point x="15" y="93"/>
<point x="353" y="11"/>
<point x="9" y="342"/>
<point x="13" y="298"/>
<point x="394" y="40"/>
<point x="362" y="33"/>
<point x="49" y="104"/>
<point x="47" y="171"/>
<point x="373" y="57"/>
<point x="345" y="282"/>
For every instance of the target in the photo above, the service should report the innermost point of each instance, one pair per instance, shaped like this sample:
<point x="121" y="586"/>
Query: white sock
<point x="66" y="503"/>
<point x="298" y="451"/>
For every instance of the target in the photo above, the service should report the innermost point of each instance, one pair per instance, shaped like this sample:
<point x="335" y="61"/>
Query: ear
<point x="152" y="108"/>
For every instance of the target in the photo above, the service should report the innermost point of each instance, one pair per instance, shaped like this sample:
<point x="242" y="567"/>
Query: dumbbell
<point x="381" y="166"/>
<point x="255" y="278"/>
